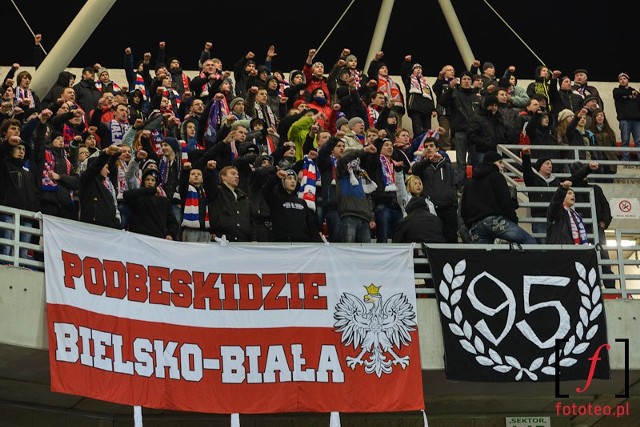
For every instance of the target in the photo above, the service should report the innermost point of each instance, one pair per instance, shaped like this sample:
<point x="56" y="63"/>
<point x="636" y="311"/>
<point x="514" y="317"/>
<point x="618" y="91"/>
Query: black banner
<point x="519" y="315"/>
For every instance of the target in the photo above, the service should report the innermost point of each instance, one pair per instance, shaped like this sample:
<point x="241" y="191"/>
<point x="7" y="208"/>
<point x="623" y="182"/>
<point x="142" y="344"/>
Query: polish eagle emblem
<point x="377" y="327"/>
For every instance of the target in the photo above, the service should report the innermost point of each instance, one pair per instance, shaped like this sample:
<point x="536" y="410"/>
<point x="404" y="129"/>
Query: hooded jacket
<point x="292" y="219"/>
<point x="420" y="225"/>
<point x="487" y="194"/>
<point x="17" y="187"/>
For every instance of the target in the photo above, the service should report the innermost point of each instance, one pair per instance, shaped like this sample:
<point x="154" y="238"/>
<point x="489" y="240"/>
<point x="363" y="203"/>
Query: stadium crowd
<point x="317" y="153"/>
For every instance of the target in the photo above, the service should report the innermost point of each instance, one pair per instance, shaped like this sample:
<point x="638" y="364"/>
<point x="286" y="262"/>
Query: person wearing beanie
<point x="627" y="103"/>
<point x="563" y="97"/>
<point x="292" y="219"/>
<point x="421" y="101"/>
<point x="354" y="138"/>
<point x="541" y="175"/>
<point x="489" y="80"/>
<point x="342" y="121"/>
<point x="564" y="115"/>
<point x="104" y="82"/>
<point x="460" y="100"/>
<point x="53" y="171"/>
<point x="169" y="166"/>
<point x="314" y="75"/>
<point x="151" y="212"/>
<point x="360" y="81"/>
<point x="18" y="188"/>
<point x="196" y="186"/>
<point x="487" y="128"/>
<point x="296" y="89"/>
<point x="99" y="190"/>
<point x="487" y="207"/>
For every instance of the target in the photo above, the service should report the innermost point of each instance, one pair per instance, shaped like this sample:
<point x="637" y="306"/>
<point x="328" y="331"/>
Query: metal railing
<point x="626" y="258"/>
<point x="511" y="154"/>
<point x="16" y="237"/>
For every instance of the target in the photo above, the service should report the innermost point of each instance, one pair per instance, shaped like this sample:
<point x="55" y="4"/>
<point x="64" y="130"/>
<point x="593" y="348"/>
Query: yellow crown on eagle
<point x="372" y="289"/>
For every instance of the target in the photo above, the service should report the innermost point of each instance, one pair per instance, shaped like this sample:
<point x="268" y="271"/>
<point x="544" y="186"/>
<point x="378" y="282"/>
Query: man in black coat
<point x="487" y="208"/>
<point x="98" y="189"/>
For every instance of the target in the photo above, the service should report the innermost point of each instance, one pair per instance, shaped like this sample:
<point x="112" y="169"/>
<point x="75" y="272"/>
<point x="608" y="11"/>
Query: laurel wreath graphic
<point x="486" y="355"/>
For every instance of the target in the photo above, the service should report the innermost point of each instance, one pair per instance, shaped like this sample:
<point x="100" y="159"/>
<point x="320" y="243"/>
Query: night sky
<point x="565" y="34"/>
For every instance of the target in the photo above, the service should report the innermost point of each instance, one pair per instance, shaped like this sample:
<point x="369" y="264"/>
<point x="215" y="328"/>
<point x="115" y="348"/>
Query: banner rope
<point x="29" y="27"/>
<point x="514" y="32"/>
<point x="334" y="27"/>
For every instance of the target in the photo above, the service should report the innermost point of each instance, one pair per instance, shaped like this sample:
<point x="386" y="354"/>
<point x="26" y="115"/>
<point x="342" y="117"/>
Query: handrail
<point x="420" y="261"/>
<point x="16" y="246"/>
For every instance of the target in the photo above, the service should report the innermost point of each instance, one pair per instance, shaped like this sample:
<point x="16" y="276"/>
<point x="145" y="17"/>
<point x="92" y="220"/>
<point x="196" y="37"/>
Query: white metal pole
<point x="457" y="32"/>
<point x="377" y="39"/>
<point x="69" y="44"/>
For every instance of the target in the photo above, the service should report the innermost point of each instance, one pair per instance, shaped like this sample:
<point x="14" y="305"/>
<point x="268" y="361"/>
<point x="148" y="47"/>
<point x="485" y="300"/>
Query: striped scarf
<point x="308" y="183"/>
<point x="109" y="185"/>
<point x="264" y="112"/>
<point x="191" y="215"/>
<point x="49" y="184"/>
<point x="390" y="88"/>
<point x="578" y="232"/>
<point x="117" y="131"/>
<point x="25" y="94"/>
<point x="139" y="84"/>
<point x="282" y="86"/>
<point x="419" y="85"/>
<point x="334" y="163"/>
<point x="388" y="174"/>
<point x="116" y="86"/>
<point x="214" y="120"/>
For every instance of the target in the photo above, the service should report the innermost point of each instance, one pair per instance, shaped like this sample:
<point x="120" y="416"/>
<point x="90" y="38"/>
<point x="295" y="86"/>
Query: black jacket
<point x="292" y="219"/>
<point x="420" y="225"/>
<point x="152" y="215"/>
<point x="487" y="130"/>
<point x="462" y="104"/>
<point x="87" y="95"/>
<point x="96" y="202"/>
<point x="230" y="215"/>
<point x="487" y="194"/>
<point x="439" y="182"/>
<point x="17" y="187"/>
<point x="627" y="105"/>
<point x="559" y="223"/>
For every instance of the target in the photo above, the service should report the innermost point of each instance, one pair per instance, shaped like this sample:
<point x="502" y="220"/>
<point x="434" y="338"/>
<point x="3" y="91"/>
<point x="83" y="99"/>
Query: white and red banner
<point x="230" y="329"/>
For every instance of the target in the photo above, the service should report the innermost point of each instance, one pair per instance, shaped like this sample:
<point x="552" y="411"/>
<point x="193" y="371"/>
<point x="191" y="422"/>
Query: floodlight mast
<point x="69" y="44"/>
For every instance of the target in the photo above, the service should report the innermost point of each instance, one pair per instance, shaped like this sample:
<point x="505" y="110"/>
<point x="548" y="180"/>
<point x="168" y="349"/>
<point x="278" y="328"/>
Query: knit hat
<point x="255" y="121"/>
<point x="297" y="103"/>
<point x="416" y="65"/>
<point x="562" y="115"/>
<point x="487" y="65"/>
<point x="490" y="99"/>
<point x="153" y="172"/>
<point x="466" y="73"/>
<point x="341" y="121"/>
<point x="580" y="70"/>
<point x="491" y="157"/>
<point x="623" y="75"/>
<point x="175" y="145"/>
<point x="102" y="70"/>
<point x="351" y="58"/>
<point x="146" y="163"/>
<point x="291" y="172"/>
<point x="354" y="121"/>
<point x="540" y="162"/>
<point x="294" y="73"/>
<point x="234" y="101"/>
